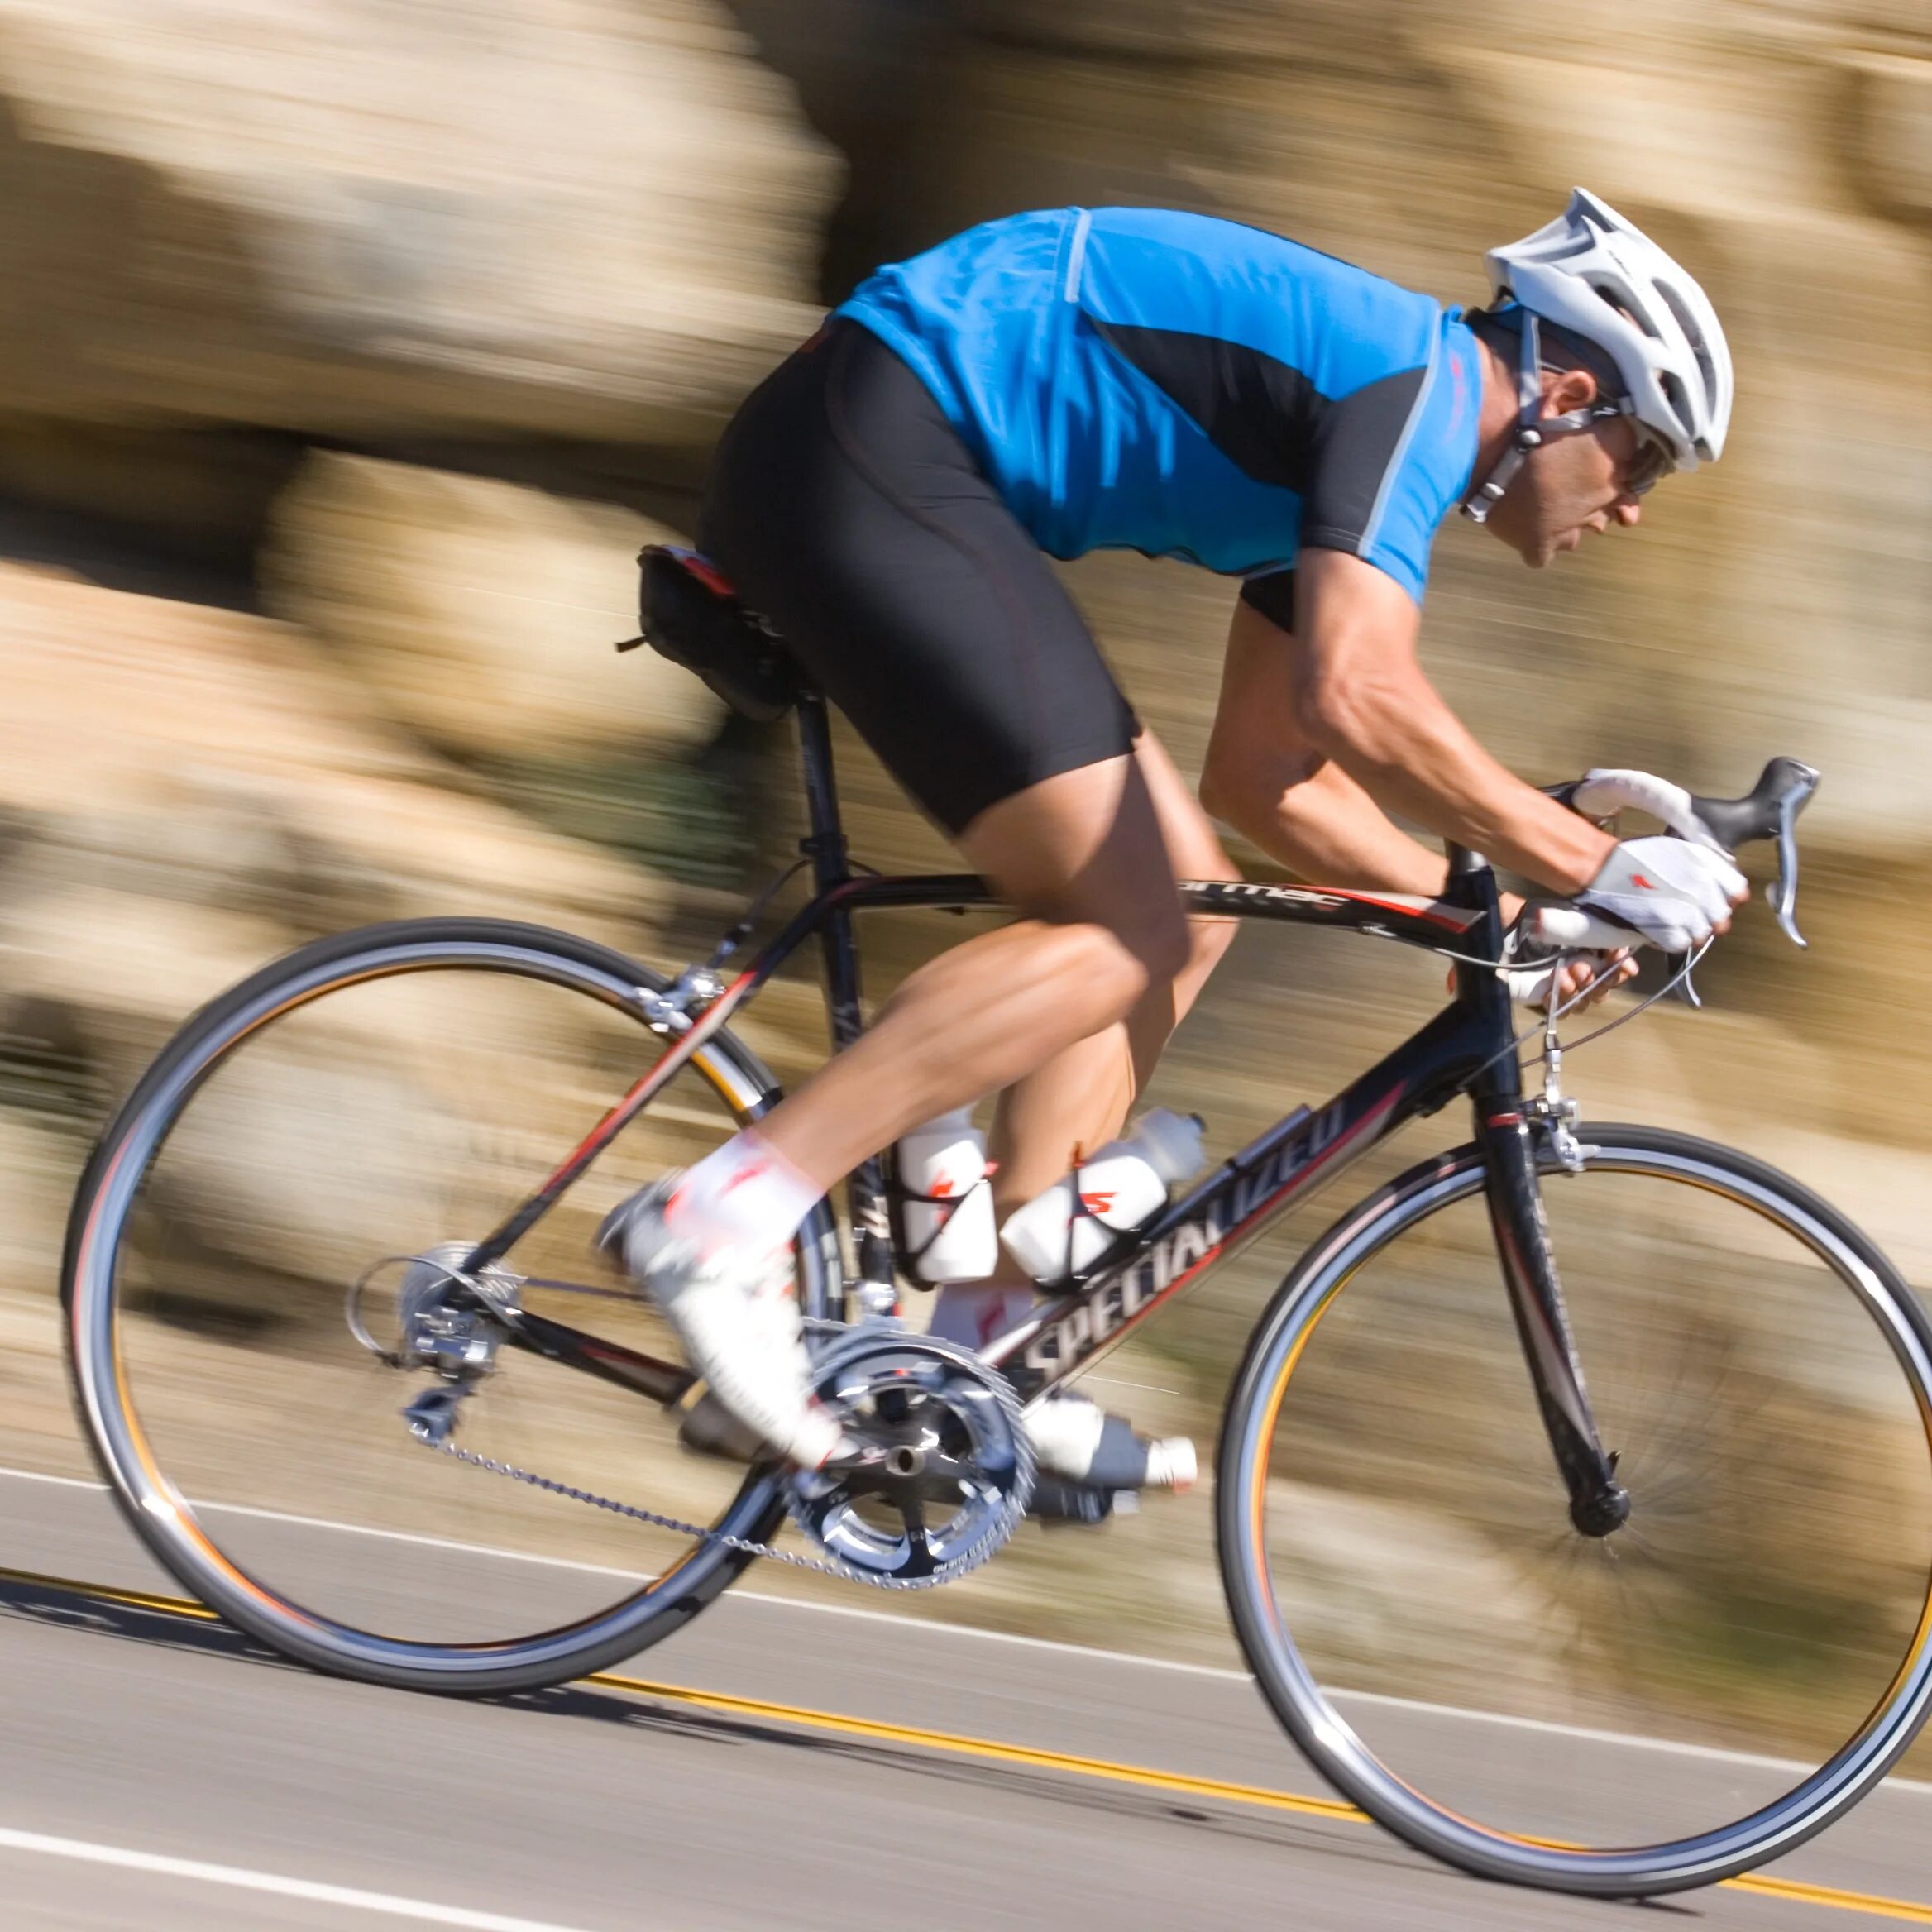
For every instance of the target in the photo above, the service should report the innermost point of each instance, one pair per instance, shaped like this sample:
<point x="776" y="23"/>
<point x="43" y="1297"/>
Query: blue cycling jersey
<point x="1145" y="380"/>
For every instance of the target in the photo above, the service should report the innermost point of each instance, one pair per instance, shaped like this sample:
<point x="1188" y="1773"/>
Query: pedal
<point x="1058" y="1502"/>
<point x="707" y="1427"/>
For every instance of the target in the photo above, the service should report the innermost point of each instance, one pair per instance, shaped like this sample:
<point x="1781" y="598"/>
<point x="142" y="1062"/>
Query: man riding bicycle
<point x="1142" y="379"/>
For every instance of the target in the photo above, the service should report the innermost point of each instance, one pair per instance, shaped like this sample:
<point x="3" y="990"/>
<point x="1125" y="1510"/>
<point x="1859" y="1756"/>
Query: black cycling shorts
<point x="846" y="510"/>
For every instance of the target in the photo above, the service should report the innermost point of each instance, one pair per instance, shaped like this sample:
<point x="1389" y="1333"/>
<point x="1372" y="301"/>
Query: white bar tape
<point x="1609" y="789"/>
<point x="1576" y="930"/>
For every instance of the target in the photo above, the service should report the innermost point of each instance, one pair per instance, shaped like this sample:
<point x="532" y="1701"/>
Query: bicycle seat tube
<point x="824" y="846"/>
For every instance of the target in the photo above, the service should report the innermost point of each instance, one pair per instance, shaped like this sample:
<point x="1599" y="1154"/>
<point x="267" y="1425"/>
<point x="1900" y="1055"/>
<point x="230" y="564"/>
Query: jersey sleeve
<point x="1391" y="461"/>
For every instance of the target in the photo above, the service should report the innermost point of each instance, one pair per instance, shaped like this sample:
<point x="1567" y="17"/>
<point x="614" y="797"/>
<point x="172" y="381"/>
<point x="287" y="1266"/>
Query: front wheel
<point x="392" y="1092"/>
<point x="1695" y="1694"/>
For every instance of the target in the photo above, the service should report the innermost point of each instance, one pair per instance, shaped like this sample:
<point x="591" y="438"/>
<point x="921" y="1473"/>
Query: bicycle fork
<point x="1599" y="1503"/>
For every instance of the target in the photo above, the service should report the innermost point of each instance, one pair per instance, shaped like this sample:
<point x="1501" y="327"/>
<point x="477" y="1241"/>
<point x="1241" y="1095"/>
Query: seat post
<point x="824" y="842"/>
<point x="825" y="845"/>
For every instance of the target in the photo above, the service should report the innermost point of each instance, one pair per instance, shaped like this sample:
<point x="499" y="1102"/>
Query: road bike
<point x="1618" y="1637"/>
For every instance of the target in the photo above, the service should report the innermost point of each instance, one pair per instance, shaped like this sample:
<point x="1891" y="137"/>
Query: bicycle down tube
<point x="1240" y="1197"/>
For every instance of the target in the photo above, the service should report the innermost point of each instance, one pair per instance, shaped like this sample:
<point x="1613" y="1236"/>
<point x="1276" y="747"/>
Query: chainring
<point x="948" y="1470"/>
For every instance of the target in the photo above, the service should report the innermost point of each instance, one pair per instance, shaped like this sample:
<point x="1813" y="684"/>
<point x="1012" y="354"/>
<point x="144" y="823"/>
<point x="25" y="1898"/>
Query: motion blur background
<point x="349" y="349"/>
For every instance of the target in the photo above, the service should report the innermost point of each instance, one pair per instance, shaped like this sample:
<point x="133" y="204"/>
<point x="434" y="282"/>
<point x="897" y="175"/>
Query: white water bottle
<point x="1063" y="1232"/>
<point x="942" y="1163"/>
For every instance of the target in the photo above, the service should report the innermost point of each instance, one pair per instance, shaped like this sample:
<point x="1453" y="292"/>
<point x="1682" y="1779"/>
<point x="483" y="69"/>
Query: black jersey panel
<point x="1357" y="439"/>
<point x="1263" y="415"/>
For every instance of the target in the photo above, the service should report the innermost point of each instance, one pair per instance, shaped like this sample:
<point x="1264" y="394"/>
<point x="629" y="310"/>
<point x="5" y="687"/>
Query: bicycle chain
<point x="825" y="1566"/>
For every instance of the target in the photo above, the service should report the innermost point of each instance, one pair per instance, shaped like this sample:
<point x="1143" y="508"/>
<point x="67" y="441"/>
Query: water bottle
<point x="1068" y="1228"/>
<point x="948" y="1228"/>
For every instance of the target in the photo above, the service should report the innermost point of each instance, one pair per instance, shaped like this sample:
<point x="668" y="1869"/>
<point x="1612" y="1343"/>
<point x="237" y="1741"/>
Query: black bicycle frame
<point x="1468" y="1048"/>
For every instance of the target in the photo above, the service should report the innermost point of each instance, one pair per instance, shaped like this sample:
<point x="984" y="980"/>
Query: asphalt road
<point x="161" y="1774"/>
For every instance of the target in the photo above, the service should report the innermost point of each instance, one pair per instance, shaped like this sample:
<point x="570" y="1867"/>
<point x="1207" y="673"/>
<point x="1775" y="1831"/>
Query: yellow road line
<point x="1826" y="1894"/>
<point x="101" y="1593"/>
<point x="837" y="1725"/>
<point x="989" y="1750"/>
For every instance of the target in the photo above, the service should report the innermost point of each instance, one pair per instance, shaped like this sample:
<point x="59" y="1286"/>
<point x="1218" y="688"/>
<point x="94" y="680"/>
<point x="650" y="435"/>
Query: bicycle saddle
<point x="690" y="613"/>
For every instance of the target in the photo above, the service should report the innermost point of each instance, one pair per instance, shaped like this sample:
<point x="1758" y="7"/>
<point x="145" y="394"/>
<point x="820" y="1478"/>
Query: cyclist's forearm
<point x="1360" y="696"/>
<point x="1321" y="825"/>
<point x="1410" y="753"/>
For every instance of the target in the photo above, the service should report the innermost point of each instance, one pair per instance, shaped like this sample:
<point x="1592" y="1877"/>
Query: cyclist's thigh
<point x="846" y="510"/>
<point x="1193" y="846"/>
<point x="1087" y="846"/>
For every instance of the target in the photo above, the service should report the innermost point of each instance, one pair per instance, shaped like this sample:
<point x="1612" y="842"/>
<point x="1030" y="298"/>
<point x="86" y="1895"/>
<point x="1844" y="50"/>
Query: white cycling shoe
<point x="737" y="1316"/>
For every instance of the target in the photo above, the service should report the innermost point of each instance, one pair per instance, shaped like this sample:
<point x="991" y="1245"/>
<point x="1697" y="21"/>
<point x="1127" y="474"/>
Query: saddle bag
<point x="692" y="616"/>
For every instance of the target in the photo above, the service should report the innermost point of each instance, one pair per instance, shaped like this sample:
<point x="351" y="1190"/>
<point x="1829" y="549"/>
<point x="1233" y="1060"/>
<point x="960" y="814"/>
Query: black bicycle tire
<point x="194" y="1050"/>
<point x="1350" y="1241"/>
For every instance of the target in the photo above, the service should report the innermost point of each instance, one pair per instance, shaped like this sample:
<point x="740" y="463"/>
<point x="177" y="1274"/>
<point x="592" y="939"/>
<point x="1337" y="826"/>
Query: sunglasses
<point x="1648" y="468"/>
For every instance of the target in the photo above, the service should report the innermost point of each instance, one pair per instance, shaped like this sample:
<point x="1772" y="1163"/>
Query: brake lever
<point x="1782" y="894"/>
<point x="1680" y="962"/>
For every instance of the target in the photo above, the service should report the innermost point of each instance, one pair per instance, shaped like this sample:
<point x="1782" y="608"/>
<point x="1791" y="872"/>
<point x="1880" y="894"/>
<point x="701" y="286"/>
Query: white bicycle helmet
<point x="1591" y="272"/>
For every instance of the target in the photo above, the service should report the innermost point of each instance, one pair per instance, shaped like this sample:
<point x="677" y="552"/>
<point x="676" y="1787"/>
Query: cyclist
<point x="1187" y="387"/>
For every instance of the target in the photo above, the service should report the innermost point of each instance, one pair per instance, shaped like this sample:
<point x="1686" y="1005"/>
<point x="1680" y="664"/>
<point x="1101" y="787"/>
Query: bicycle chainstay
<point x="824" y="1566"/>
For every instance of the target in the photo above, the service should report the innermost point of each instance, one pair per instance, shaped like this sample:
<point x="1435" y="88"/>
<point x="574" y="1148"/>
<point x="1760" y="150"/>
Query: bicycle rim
<point x="379" y="1094"/>
<point x="1695" y="1696"/>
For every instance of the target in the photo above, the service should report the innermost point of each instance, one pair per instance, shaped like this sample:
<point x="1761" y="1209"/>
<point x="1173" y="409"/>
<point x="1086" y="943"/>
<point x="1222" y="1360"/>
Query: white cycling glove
<point x="1669" y="890"/>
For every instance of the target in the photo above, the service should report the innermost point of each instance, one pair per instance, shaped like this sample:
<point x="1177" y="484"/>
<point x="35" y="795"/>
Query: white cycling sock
<point x="747" y="1194"/>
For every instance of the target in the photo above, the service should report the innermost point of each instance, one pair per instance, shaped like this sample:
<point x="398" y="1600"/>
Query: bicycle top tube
<point x="1434" y="925"/>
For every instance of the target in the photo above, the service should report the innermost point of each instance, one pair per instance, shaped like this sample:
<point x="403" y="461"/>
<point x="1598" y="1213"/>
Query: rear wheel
<point x="1697" y="1693"/>
<point x="384" y="1094"/>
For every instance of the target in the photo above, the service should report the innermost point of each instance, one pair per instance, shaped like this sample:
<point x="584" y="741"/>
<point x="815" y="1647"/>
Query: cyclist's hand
<point x="1584" y="978"/>
<point x="1675" y="894"/>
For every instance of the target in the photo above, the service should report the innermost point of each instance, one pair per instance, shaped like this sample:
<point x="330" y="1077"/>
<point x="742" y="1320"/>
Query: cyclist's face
<point x="1577" y="485"/>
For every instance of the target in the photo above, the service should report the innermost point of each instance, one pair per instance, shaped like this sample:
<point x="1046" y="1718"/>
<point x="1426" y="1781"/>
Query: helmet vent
<point x="1694" y="335"/>
<point x="1628" y="303"/>
<point x="1680" y="401"/>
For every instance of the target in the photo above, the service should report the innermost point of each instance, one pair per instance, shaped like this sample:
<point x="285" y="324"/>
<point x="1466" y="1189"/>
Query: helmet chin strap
<point x="1533" y="430"/>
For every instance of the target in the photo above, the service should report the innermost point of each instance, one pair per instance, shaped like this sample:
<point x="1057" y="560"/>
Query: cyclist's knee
<point x="1150" y="946"/>
<point x="1167" y="947"/>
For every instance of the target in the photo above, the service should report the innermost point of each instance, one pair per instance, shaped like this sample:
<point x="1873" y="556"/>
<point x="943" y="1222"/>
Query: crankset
<point x="945" y="1468"/>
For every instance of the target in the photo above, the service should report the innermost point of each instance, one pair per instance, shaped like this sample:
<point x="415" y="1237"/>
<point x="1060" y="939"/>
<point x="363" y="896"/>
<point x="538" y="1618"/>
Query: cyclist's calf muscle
<point x="1082" y="854"/>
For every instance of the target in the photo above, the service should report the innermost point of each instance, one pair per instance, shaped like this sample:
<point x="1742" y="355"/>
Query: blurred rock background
<point x="348" y="351"/>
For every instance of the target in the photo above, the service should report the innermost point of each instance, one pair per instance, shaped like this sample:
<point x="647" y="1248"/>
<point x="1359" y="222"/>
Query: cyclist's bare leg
<point x="1084" y="854"/>
<point x="1081" y="1097"/>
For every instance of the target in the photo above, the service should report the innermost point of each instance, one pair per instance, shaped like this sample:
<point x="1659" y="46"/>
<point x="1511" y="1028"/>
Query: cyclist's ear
<point x="1564" y="389"/>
